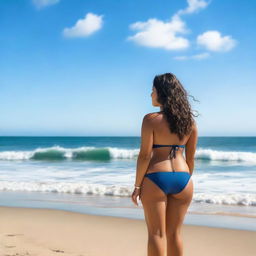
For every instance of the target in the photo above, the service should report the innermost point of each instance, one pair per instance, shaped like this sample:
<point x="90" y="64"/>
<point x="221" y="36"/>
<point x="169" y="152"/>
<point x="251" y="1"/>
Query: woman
<point x="163" y="177"/>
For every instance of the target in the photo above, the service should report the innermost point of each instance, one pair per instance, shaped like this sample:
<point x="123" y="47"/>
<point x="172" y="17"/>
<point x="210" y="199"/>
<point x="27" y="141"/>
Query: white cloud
<point x="167" y="35"/>
<point x="157" y="33"/>
<point x="43" y="3"/>
<point x="85" y="27"/>
<point x="170" y="35"/>
<point x="193" y="6"/>
<point x="214" y="41"/>
<point x="199" y="56"/>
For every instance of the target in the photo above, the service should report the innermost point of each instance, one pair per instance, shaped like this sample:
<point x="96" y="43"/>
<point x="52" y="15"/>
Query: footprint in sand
<point x="57" y="250"/>
<point x="14" y="234"/>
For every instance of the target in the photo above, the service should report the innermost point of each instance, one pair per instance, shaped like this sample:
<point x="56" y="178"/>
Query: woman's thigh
<point x="177" y="206"/>
<point x="154" y="203"/>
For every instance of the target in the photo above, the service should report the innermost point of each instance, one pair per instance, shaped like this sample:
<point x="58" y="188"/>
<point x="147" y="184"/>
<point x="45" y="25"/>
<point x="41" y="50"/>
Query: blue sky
<point x="85" y="67"/>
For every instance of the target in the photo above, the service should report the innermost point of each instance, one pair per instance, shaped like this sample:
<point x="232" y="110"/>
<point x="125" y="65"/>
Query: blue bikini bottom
<point x="170" y="182"/>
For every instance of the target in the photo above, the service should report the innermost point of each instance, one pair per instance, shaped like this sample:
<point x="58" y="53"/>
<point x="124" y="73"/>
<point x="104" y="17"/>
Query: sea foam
<point x="108" y="153"/>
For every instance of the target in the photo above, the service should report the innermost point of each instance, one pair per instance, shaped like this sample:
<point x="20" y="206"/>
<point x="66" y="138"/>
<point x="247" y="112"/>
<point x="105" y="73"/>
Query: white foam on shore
<point x="245" y="199"/>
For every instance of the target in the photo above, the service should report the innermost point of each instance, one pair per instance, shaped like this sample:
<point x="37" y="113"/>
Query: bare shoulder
<point x="151" y="116"/>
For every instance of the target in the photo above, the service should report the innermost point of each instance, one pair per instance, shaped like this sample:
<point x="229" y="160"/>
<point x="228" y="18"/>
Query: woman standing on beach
<point x="163" y="177"/>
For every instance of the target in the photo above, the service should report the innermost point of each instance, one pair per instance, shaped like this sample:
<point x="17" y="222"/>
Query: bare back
<point x="162" y="135"/>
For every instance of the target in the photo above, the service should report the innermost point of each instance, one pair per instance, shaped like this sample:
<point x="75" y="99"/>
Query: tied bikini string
<point x="173" y="150"/>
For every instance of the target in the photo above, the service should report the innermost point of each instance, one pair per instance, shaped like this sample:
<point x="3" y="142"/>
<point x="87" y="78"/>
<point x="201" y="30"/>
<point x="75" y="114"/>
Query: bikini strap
<point x="173" y="150"/>
<point x="160" y="145"/>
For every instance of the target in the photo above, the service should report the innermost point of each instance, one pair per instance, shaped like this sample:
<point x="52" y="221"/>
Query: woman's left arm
<point x="144" y="154"/>
<point x="145" y="149"/>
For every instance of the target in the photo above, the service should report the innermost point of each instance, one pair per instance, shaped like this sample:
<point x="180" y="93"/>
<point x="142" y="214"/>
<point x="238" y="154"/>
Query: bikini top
<point x="173" y="150"/>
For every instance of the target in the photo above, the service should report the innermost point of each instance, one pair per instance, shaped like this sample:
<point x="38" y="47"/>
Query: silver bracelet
<point x="137" y="187"/>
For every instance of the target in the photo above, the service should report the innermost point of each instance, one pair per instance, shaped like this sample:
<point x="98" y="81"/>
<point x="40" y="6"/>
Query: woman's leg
<point x="154" y="203"/>
<point x="177" y="206"/>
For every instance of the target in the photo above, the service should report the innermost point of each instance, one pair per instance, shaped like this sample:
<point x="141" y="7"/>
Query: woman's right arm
<point x="191" y="148"/>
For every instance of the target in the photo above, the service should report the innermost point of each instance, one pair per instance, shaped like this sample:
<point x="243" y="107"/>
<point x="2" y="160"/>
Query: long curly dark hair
<point x="176" y="107"/>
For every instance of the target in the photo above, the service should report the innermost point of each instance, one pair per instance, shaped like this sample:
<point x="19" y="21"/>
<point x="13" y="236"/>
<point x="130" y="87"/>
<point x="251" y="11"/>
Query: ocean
<point x="96" y="175"/>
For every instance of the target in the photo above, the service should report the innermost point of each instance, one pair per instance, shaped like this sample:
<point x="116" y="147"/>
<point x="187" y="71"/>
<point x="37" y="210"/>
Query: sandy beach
<point x="31" y="231"/>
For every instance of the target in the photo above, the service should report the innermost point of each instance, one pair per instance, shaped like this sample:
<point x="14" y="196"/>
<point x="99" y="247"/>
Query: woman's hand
<point x="135" y="194"/>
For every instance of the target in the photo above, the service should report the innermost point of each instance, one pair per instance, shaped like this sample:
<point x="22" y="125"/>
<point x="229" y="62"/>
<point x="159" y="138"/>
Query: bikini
<point x="170" y="182"/>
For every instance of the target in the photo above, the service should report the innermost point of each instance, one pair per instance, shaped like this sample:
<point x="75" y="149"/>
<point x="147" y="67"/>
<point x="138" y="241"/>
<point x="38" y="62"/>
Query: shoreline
<point x="223" y="214"/>
<point x="232" y="217"/>
<point x="31" y="231"/>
